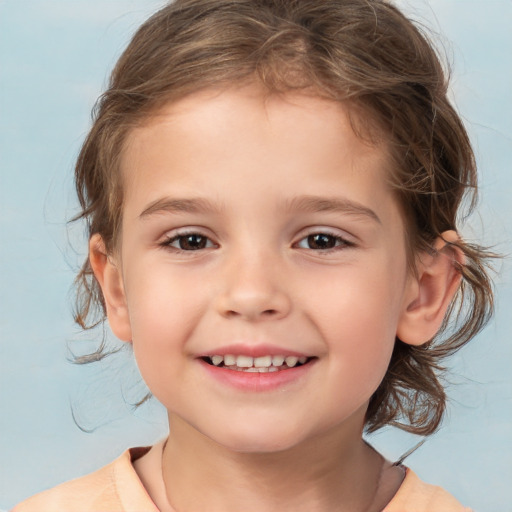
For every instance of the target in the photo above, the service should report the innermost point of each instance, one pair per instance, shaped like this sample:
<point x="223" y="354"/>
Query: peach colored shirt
<point x="117" y="488"/>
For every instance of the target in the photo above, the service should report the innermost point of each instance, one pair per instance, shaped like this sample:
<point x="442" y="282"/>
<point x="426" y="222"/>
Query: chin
<point x="258" y="438"/>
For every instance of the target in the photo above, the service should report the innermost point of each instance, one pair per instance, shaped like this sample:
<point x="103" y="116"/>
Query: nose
<point x="253" y="287"/>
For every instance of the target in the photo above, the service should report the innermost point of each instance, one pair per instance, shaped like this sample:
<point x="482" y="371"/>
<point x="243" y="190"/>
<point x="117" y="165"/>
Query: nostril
<point x="266" y="312"/>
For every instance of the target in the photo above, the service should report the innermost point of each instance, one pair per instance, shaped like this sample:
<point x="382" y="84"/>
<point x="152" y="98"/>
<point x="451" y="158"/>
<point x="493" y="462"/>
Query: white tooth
<point x="291" y="361"/>
<point x="277" y="360"/>
<point x="273" y="369"/>
<point x="263" y="362"/>
<point x="263" y="369"/>
<point x="302" y="359"/>
<point x="229" y="360"/>
<point x="251" y="369"/>
<point x="216" y="360"/>
<point x="244" y="361"/>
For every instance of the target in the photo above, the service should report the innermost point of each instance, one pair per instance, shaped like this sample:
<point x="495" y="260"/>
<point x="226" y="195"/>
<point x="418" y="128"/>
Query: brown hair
<point x="365" y="53"/>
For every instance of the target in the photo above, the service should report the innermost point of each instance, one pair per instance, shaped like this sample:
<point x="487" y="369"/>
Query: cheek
<point x="159" y="331"/>
<point x="362" y="354"/>
<point x="360" y="303"/>
<point x="358" y="317"/>
<point x="160" y="300"/>
<point x="162" y="316"/>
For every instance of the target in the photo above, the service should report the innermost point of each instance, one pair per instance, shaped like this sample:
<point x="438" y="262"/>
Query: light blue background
<point x="54" y="58"/>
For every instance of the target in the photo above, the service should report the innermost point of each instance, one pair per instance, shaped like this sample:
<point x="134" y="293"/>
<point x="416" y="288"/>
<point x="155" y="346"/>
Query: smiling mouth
<point x="263" y="364"/>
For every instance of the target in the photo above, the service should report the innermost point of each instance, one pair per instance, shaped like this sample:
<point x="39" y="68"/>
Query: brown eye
<point x="192" y="242"/>
<point x="322" y="241"/>
<point x="189" y="242"/>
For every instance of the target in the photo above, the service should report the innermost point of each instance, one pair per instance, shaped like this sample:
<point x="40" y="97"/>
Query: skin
<point x="263" y="163"/>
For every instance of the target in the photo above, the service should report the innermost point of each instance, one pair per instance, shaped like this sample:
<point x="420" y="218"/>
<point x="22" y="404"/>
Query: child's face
<point x="256" y="227"/>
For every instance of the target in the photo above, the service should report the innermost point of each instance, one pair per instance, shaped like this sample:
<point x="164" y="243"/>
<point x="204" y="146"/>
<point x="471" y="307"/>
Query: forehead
<point x="249" y="123"/>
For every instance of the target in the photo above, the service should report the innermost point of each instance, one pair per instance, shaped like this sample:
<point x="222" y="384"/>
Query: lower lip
<point x="257" y="382"/>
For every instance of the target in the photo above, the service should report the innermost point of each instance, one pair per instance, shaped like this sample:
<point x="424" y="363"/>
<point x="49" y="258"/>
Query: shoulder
<point x="113" y="488"/>
<point x="417" y="496"/>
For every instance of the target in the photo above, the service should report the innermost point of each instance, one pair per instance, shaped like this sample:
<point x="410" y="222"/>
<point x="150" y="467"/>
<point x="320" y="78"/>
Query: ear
<point x="108" y="275"/>
<point x="430" y="292"/>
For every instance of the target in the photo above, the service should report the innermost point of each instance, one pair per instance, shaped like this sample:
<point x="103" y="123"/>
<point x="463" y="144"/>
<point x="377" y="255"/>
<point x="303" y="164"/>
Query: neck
<point x="337" y="471"/>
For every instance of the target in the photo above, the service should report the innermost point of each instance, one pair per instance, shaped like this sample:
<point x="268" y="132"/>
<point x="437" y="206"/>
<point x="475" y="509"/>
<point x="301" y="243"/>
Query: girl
<point x="271" y="189"/>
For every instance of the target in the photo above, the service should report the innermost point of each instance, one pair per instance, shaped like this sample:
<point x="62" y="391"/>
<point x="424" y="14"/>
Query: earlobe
<point x="431" y="291"/>
<point x="110" y="279"/>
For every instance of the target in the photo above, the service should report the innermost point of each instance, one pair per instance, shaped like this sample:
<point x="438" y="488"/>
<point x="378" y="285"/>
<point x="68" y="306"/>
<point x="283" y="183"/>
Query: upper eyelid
<point x="184" y="231"/>
<point x="344" y="242"/>
<point x="174" y="234"/>
<point x="335" y="232"/>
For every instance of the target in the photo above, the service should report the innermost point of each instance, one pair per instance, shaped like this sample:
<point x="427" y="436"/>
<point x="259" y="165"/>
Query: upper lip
<point x="240" y="349"/>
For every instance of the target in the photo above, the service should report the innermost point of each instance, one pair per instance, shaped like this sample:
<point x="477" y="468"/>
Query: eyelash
<point x="167" y="243"/>
<point x="339" y="242"/>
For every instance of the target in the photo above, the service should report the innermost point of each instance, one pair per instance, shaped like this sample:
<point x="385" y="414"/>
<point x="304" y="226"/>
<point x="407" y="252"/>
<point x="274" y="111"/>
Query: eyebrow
<point x="314" y="204"/>
<point x="306" y="204"/>
<point x="170" y="205"/>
